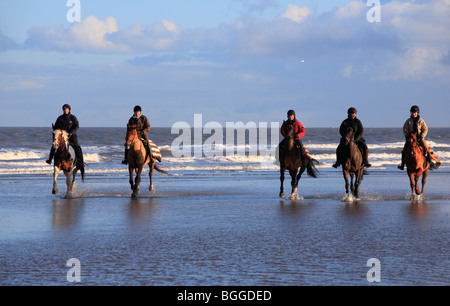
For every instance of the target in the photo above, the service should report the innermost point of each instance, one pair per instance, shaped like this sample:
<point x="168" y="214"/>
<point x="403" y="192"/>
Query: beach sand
<point x="225" y="229"/>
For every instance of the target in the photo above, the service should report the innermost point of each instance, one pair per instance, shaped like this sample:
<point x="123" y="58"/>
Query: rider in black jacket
<point x="70" y="124"/>
<point x="358" y="129"/>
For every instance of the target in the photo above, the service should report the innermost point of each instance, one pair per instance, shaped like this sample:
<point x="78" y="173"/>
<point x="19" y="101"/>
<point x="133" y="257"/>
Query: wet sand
<point x="226" y="229"/>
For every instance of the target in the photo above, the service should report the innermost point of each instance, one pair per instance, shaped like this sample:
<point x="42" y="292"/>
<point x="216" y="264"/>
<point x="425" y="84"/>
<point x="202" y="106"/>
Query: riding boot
<point x="50" y="157"/>
<point x="366" y="159"/>
<point x="79" y="156"/>
<point x="125" y="161"/>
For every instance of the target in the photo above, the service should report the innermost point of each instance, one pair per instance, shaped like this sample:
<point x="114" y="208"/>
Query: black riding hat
<point x="352" y="110"/>
<point x="66" y="106"/>
<point x="290" y="113"/>
<point x="137" y="108"/>
<point x="415" y="109"/>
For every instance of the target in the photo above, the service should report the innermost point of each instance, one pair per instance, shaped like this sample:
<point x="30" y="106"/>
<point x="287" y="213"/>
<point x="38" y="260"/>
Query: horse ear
<point x="53" y="126"/>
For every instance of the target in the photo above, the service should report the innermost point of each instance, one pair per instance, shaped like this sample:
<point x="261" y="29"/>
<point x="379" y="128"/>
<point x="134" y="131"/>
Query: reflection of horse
<point x="137" y="159"/>
<point x="64" y="161"/>
<point x="416" y="163"/>
<point x="292" y="159"/>
<point x="351" y="159"/>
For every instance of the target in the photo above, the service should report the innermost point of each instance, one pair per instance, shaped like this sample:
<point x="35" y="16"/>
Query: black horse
<point x="351" y="159"/>
<point x="291" y="159"/>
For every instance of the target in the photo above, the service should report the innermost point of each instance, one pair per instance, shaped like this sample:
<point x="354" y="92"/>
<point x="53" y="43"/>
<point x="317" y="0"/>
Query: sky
<point x="229" y="60"/>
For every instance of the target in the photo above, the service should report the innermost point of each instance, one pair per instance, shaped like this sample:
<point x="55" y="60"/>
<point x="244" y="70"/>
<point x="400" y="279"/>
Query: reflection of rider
<point x="299" y="131"/>
<point x="418" y="125"/>
<point x="358" y="130"/>
<point x="68" y="123"/>
<point x="143" y="127"/>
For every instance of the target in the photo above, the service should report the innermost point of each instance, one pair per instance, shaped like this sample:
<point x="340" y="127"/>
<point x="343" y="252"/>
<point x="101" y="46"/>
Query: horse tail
<point x="311" y="168"/>
<point x="82" y="172"/>
<point x="160" y="170"/>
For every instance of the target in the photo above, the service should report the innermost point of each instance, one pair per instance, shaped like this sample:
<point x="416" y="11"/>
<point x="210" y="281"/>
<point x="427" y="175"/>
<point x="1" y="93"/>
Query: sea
<point x="216" y="219"/>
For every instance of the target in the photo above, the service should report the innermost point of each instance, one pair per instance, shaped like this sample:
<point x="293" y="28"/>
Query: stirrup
<point x="125" y="162"/>
<point x="401" y="167"/>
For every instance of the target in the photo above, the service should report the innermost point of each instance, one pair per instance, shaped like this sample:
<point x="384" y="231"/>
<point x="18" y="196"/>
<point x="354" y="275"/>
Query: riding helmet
<point x="352" y="110"/>
<point x="137" y="108"/>
<point x="66" y="106"/>
<point x="415" y="109"/>
<point x="290" y="113"/>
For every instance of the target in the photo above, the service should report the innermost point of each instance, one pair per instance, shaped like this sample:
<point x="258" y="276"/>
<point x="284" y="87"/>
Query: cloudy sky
<point x="228" y="60"/>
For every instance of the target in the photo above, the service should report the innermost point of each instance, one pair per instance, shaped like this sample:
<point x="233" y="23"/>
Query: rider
<point x="68" y="123"/>
<point x="358" y="129"/>
<point x="415" y="124"/>
<point x="143" y="126"/>
<point x="299" y="131"/>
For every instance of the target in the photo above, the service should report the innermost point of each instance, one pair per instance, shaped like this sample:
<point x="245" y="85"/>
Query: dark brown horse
<point x="416" y="164"/>
<point x="64" y="161"/>
<point x="291" y="159"/>
<point x="137" y="159"/>
<point x="351" y="159"/>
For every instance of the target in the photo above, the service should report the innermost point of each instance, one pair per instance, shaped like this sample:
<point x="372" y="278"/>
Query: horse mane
<point x="65" y="135"/>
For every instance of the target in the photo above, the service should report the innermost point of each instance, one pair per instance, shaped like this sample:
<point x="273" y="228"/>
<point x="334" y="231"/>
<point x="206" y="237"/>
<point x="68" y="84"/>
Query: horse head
<point x="412" y="141"/>
<point x="60" y="138"/>
<point x="131" y="135"/>
<point x="349" y="135"/>
<point x="289" y="130"/>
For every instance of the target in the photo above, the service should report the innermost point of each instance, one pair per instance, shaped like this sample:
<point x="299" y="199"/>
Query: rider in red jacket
<point x="299" y="131"/>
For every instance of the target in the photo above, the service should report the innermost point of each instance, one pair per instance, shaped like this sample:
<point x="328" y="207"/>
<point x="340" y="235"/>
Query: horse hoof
<point x="151" y="188"/>
<point x="134" y="196"/>
<point x="282" y="195"/>
<point x="55" y="191"/>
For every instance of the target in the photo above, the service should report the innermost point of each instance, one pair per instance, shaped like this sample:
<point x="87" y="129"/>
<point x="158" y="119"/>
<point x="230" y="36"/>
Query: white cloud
<point x="86" y="36"/>
<point x="296" y="13"/>
<point x="351" y="9"/>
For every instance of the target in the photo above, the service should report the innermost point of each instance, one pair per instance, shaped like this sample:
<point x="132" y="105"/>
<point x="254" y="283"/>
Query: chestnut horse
<point x="291" y="160"/>
<point x="416" y="164"/>
<point x="137" y="159"/>
<point x="64" y="161"/>
<point x="351" y="159"/>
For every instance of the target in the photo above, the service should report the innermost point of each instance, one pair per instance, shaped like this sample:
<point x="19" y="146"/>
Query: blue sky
<point x="227" y="60"/>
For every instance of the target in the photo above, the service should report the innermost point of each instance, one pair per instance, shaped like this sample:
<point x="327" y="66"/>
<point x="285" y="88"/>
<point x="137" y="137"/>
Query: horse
<point x="416" y="164"/>
<point x="290" y="160"/>
<point x="64" y="161"/>
<point x="351" y="159"/>
<point x="137" y="159"/>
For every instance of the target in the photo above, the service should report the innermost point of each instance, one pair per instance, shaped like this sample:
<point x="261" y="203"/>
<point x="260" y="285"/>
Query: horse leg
<point x="55" y="177"/>
<point x="411" y="182"/>
<point x="294" y="185"/>
<point x="417" y="177"/>
<point x="358" y="182"/>
<point x="130" y="171"/>
<point x="345" y="173"/>
<point x="74" y="175"/>
<point x="68" y="175"/>
<point x="152" y="166"/>
<point x="352" y="185"/>
<point x="424" y="179"/>
<point x="138" y="181"/>
<point x="282" y="170"/>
